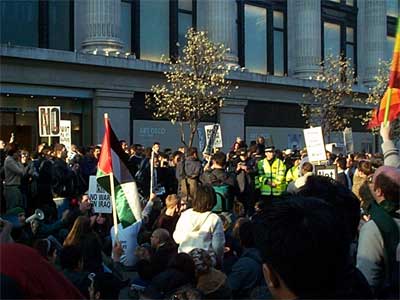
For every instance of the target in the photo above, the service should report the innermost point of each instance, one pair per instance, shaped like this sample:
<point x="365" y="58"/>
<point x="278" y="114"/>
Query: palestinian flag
<point x="114" y="160"/>
<point x="389" y="108"/>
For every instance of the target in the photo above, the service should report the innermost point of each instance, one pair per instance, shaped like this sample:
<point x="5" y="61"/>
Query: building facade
<point x="92" y="57"/>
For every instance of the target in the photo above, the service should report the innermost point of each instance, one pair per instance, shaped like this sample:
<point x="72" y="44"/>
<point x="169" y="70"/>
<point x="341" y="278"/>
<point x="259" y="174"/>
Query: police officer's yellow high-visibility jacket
<point x="274" y="173"/>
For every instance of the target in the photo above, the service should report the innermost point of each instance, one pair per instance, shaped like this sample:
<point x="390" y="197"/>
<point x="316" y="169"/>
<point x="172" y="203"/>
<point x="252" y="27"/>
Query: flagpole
<point x="151" y="171"/>
<point x="114" y="205"/>
<point x="387" y="108"/>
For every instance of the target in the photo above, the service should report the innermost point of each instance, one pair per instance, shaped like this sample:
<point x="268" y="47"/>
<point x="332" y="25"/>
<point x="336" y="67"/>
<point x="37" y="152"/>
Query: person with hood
<point x="246" y="273"/>
<point x="210" y="281"/>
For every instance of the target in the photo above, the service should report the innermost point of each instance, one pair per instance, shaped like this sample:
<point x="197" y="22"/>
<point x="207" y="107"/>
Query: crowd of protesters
<point x="254" y="223"/>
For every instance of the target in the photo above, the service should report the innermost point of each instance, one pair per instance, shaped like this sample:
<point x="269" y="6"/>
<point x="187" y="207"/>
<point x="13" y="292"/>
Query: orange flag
<point x="389" y="108"/>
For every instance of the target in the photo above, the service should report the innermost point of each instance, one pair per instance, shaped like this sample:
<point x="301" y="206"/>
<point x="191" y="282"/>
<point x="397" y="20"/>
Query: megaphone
<point x="38" y="215"/>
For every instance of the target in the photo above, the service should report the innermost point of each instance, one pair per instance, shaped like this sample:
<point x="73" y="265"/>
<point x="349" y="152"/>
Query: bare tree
<point x="325" y="104"/>
<point x="195" y="87"/>
<point x="375" y="96"/>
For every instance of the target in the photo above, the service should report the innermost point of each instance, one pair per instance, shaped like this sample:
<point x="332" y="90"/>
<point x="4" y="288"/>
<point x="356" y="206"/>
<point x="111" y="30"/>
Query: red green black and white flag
<point x="114" y="160"/>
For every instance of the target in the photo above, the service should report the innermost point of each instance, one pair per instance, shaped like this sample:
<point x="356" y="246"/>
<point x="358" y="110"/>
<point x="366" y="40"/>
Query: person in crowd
<point x="293" y="172"/>
<point x="13" y="173"/>
<point x="199" y="227"/>
<point x="260" y="142"/>
<point x="342" y="176"/>
<point x="101" y="226"/>
<point x="306" y="171"/>
<point x="245" y="173"/>
<point x="62" y="175"/>
<point x="163" y="250"/>
<point x="223" y="183"/>
<point x="169" y="214"/>
<point x="390" y="152"/>
<point x="210" y="281"/>
<point x="136" y="157"/>
<point x="296" y="266"/>
<point x="71" y="262"/>
<point x="188" y="172"/>
<point x="361" y="174"/>
<point x="103" y="286"/>
<point x="181" y="269"/>
<point x="377" y="255"/>
<point x="47" y="248"/>
<point x="82" y="235"/>
<point x="246" y="273"/>
<point x="43" y="199"/>
<point x="124" y="146"/>
<point x="271" y="175"/>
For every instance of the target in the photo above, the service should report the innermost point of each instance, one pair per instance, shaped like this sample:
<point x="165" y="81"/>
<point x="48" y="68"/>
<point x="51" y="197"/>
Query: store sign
<point x="49" y="121"/>
<point x="99" y="197"/>
<point x="65" y="134"/>
<point x="315" y="144"/>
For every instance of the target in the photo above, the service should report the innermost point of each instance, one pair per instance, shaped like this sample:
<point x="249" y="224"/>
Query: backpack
<point x="224" y="198"/>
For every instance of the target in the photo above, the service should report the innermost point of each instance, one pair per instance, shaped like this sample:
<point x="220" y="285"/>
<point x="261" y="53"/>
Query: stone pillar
<point x="231" y="117"/>
<point x="117" y="105"/>
<point x="374" y="35"/>
<point x="103" y="26"/>
<point x="222" y="26"/>
<point x="304" y="26"/>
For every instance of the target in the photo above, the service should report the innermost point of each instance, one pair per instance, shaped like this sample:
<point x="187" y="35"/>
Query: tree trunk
<point x="193" y="129"/>
<point x="182" y="131"/>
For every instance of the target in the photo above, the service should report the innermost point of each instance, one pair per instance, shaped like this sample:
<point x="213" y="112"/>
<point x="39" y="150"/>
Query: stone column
<point x="117" y="104"/>
<point x="103" y="26"/>
<point x="231" y="118"/>
<point x="304" y="26"/>
<point x="222" y="25"/>
<point x="374" y="35"/>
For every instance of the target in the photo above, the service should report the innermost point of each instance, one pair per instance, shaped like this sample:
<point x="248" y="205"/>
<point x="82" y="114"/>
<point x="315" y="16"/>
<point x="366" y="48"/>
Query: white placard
<point x="315" y="144"/>
<point x="49" y="121"/>
<point x="99" y="197"/>
<point x="65" y="134"/>
<point x="326" y="171"/>
<point x="348" y="140"/>
<point x="216" y="141"/>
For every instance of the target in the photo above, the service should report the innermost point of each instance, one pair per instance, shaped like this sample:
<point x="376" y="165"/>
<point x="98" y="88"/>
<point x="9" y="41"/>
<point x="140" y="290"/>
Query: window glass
<point x="278" y="19"/>
<point x="350" y="53"/>
<point x="392" y="8"/>
<point x="59" y="24"/>
<point x="184" y="23"/>
<point x="20" y="23"/>
<point x="389" y="48"/>
<point x="350" y="2"/>
<point x="185" y="4"/>
<point x="126" y="25"/>
<point x="154" y="29"/>
<point x="349" y="34"/>
<point x="255" y="39"/>
<point x="331" y="39"/>
<point x="337" y="1"/>
<point x="278" y="53"/>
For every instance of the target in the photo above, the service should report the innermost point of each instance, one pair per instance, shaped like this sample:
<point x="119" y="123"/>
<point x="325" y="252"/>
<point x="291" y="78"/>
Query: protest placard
<point x="99" y="197"/>
<point x="315" y="144"/>
<point x="65" y="134"/>
<point x="49" y="121"/>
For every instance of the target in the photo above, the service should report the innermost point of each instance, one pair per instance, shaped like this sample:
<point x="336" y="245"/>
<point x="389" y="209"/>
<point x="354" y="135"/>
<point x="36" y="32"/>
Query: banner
<point x="99" y="197"/>
<point x="315" y="144"/>
<point x="49" y="121"/>
<point x="213" y="137"/>
<point x="65" y="134"/>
